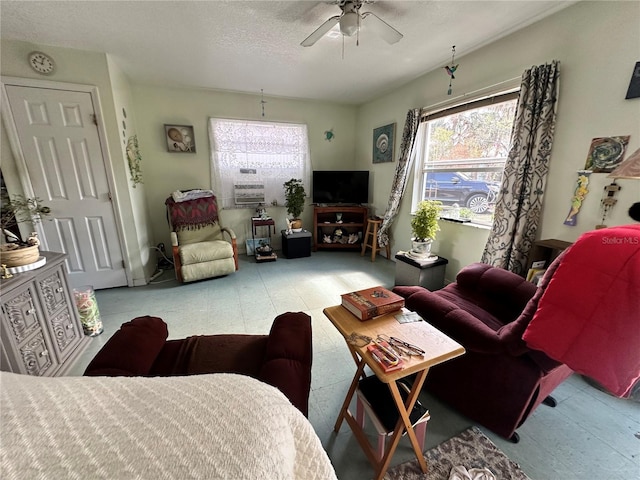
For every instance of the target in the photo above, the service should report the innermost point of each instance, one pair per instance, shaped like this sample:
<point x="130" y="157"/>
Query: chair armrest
<point x="455" y="322"/>
<point x="132" y="350"/>
<point x="234" y="244"/>
<point x="229" y="232"/>
<point x="174" y="239"/>
<point x="288" y="358"/>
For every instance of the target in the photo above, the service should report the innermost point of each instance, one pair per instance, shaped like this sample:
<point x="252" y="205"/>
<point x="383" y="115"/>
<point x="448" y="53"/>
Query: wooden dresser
<point x="40" y="332"/>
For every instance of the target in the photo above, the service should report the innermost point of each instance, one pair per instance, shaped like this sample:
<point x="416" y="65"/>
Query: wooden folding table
<point x="438" y="348"/>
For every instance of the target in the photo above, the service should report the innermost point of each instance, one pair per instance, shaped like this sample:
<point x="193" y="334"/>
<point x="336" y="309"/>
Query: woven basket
<point x="20" y="257"/>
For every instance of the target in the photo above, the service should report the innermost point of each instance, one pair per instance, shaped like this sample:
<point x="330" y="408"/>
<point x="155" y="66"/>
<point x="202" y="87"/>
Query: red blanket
<point x="192" y="214"/>
<point x="589" y="316"/>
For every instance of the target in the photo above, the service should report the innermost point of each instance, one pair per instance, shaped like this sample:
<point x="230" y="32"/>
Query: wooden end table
<point x="438" y="348"/>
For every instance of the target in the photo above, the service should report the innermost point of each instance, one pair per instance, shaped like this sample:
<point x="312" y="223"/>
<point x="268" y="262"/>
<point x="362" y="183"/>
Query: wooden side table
<point x="263" y="222"/>
<point x="439" y="348"/>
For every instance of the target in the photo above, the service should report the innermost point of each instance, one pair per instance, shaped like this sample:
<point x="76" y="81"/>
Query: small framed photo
<point x="383" y="143"/>
<point x="180" y="138"/>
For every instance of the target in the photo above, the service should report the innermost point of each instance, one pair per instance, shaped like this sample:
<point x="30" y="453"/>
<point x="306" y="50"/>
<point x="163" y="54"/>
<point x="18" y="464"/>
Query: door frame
<point x="21" y="164"/>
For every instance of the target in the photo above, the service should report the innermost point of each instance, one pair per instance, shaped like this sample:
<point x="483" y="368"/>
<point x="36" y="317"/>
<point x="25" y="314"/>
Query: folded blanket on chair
<point x="192" y="214"/>
<point x="179" y="196"/>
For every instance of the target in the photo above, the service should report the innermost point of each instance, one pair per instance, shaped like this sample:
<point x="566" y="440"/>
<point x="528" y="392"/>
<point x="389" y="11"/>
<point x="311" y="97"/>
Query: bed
<point x="216" y="426"/>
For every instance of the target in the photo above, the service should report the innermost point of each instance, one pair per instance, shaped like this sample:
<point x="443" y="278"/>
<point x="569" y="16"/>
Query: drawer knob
<point x="59" y="289"/>
<point x="31" y="311"/>
<point x="70" y="326"/>
<point x="44" y="353"/>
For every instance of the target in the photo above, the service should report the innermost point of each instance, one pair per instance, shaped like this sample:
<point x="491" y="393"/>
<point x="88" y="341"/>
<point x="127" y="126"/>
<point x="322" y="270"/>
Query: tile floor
<point x="589" y="435"/>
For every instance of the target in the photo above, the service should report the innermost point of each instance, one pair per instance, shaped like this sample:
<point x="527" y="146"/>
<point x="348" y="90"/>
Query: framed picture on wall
<point x="383" y="143"/>
<point x="180" y="138"/>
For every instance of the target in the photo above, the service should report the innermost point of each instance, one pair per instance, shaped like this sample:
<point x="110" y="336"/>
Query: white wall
<point x="166" y="172"/>
<point x="597" y="44"/>
<point x="145" y="262"/>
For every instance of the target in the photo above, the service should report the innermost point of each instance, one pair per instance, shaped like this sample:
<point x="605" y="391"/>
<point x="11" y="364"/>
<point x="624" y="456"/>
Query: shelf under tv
<point x="354" y="221"/>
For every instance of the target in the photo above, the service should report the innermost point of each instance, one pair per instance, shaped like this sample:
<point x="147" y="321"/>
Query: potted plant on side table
<point x="294" y="195"/>
<point x="424" y="226"/>
<point x="14" y="252"/>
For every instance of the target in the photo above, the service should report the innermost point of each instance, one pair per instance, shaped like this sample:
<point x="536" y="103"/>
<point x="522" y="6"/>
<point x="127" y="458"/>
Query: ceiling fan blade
<point x="386" y="31"/>
<point x="320" y="31"/>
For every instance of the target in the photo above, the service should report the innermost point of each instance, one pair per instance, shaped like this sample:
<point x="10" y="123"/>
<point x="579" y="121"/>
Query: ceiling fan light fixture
<point x="349" y="23"/>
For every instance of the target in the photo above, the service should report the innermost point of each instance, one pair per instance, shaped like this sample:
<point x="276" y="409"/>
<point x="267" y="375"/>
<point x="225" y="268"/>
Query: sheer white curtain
<point x="257" y="153"/>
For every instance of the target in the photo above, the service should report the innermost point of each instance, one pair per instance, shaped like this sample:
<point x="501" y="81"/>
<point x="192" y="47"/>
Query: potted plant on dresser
<point x="294" y="195"/>
<point x="424" y="226"/>
<point x="13" y="251"/>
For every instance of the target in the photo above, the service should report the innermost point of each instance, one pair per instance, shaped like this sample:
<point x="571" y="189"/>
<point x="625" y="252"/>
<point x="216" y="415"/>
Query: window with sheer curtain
<point x="251" y="160"/>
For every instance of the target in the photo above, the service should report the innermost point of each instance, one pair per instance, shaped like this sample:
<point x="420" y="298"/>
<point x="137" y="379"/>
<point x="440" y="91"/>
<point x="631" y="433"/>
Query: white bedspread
<point x="219" y="426"/>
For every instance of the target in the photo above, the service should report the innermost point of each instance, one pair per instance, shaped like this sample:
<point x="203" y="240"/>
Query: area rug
<point x="471" y="449"/>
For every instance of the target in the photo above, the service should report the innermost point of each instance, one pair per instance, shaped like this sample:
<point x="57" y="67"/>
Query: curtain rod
<point x="452" y="101"/>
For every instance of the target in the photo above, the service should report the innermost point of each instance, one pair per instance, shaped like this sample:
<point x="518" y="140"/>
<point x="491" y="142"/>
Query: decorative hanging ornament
<point x="608" y="201"/>
<point x="451" y="69"/>
<point x="262" y="102"/>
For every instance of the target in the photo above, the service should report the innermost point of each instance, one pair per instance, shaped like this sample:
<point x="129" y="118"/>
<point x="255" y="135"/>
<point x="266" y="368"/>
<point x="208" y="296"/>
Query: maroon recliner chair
<point x="499" y="381"/>
<point x="282" y="358"/>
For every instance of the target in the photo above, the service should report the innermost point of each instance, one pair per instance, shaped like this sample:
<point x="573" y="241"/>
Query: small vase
<point x="296" y="225"/>
<point x="87" y="306"/>
<point x="421" y="249"/>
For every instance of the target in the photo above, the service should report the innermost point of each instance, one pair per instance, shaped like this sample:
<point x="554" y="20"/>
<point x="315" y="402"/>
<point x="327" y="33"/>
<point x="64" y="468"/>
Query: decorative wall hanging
<point x="134" y="158"/>
<point x="180" y="138"/>
<point x="605" y="153"/>
<point x="608" y="201"/>
<point x="383" y="143"/>
<point x="634" y="84"/>
<point x="329" y="135"/>
<point x="451" y="69"/>
<point x="262" y="101"/>
<point x="578" y="196"/>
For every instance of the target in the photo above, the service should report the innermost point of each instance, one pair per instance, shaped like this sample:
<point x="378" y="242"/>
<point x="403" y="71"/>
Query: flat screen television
<point x="340" y="186"/>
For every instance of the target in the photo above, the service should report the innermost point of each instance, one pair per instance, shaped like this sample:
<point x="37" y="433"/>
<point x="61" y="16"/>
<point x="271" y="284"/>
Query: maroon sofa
<point x="282" y="358"/>
<point x="499" y="381"/>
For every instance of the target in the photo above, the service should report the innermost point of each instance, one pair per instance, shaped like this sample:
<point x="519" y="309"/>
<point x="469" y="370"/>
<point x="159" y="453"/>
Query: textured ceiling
<point x="247" y="46"/>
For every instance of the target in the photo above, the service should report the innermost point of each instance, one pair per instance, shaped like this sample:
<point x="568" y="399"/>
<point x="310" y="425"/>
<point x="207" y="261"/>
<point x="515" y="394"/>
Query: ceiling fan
<point x="350" y="21"/>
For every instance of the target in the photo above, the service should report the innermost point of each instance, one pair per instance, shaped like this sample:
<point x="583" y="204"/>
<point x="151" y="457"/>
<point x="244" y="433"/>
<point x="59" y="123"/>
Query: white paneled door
<point x="58" y="135"/>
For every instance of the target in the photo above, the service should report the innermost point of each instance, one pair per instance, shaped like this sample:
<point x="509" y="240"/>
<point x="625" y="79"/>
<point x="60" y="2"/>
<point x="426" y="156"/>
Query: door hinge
<point x="94" y="119"/>
<point x="109" y="195"/>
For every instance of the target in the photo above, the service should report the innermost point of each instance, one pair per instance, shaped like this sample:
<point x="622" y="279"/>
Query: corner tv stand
<point x="325" y="222"/>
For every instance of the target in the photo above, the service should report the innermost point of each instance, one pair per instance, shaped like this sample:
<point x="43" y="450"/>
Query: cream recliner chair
<point x="200" y="249"/>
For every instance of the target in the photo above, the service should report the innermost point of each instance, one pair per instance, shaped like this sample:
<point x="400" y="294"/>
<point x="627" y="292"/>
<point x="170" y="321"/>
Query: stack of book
<point x="372" y="302"/>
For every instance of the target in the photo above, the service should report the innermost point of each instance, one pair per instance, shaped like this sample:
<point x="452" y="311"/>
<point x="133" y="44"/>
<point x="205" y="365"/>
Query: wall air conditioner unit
<point x="248" y="193"/>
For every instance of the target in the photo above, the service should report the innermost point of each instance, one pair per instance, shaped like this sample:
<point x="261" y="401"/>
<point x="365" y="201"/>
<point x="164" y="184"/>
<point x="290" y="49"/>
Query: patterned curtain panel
<point x="519" y="203"/>
<point x="407" y="152"/>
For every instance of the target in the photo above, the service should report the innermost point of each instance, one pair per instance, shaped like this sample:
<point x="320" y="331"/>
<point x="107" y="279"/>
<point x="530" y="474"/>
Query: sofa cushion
<point x="205" y="252"/>
<point x="132" y="350"/>
<point x="215" y="268"/>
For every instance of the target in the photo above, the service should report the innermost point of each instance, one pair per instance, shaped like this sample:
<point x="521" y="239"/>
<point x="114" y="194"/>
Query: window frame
<point x="224" y="186"/>
<point x="509" y="91"/>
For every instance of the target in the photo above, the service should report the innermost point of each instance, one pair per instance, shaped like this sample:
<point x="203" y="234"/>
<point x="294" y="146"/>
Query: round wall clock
<point x="42" y="63"/>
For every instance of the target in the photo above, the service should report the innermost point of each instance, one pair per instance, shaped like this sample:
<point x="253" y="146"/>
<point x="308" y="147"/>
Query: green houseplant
<point x="294" y="195"/>
<point x="424" y="226"/>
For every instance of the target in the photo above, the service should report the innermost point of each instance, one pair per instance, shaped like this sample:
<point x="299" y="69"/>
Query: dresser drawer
<point x="52" y="291"/>
<point x="36" y="356"/>
<point x="22" y="313"/>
